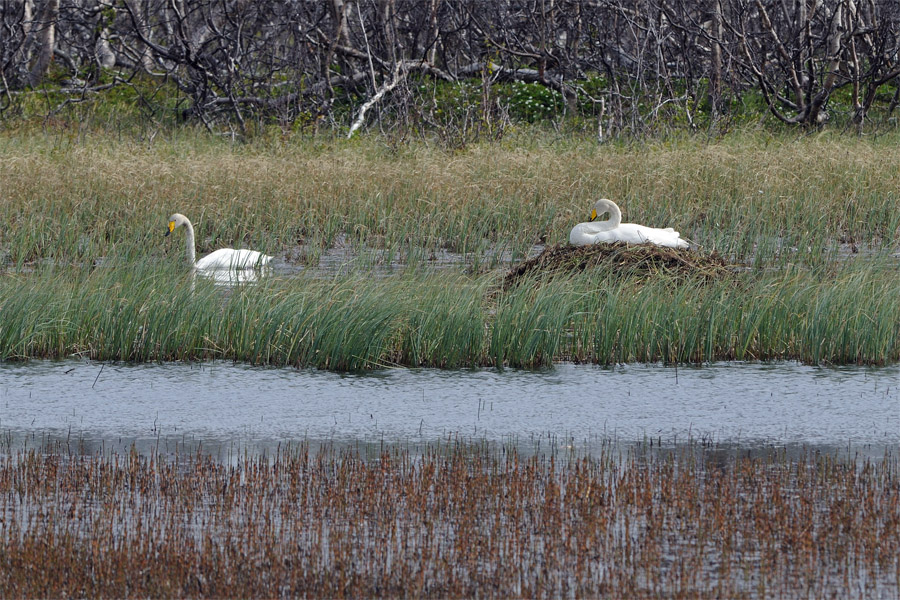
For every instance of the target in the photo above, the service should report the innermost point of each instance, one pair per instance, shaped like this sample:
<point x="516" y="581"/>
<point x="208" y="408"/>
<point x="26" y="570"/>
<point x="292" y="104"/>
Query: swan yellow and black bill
<point x="171" y="227"/>
<point x="593" y="216"/>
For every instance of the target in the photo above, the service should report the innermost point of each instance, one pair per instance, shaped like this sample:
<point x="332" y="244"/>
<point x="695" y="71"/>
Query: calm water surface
<point x="222" y="404"/>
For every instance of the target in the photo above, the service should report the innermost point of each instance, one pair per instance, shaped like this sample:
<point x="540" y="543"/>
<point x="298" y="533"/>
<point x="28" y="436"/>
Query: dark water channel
<point x="226" y="407"/>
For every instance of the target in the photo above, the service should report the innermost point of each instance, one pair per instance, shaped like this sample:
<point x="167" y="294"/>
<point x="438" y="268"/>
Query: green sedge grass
<point x="849" y="314"/>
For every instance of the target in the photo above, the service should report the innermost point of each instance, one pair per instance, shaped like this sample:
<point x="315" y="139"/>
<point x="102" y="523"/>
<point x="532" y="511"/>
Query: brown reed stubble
<point x="462" y="521"/>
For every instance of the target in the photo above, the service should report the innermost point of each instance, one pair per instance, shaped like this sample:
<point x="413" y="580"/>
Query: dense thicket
<point x="625" y="63"/>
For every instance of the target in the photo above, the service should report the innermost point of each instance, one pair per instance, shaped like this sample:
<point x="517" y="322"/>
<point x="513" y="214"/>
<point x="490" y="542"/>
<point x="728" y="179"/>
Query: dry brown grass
<point x="462" y="521"/>
<point x="749" y="195"/>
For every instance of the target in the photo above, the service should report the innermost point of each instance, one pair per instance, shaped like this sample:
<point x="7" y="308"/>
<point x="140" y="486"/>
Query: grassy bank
<point x="456" y="521"/>
<point x="752" y="197"/>
<point x="846" y="314"/>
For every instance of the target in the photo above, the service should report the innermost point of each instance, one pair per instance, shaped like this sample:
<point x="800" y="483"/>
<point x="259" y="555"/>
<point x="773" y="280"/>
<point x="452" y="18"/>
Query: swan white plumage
<point x="613" y="230"/>
<point x="224" y="258"/>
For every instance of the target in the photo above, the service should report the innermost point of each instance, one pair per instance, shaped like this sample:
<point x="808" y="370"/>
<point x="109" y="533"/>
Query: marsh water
<point x="225" y="407"/>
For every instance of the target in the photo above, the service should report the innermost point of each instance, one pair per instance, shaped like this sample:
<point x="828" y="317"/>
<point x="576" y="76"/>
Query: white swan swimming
<point x="613" y="230"/>
<point x="224" y="258"/>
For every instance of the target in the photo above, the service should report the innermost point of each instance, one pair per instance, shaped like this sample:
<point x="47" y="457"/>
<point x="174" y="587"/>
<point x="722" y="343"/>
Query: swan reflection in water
<point x="230" y="277"/>
<point x="613" y="230"/>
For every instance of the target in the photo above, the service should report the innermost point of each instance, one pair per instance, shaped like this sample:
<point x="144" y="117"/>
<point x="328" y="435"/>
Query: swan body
<point x="613" y="230"/>
<point x="228" y="258"/>
<point x="222" y="259"/>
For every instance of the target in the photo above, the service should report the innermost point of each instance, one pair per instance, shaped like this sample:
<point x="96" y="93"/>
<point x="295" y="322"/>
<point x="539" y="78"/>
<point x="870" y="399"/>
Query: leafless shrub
<point x="346" y="63"/>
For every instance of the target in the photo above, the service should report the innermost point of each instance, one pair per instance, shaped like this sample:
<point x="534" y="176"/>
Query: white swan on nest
<point x="613" y="230"/>
<point x="224" y="258"/>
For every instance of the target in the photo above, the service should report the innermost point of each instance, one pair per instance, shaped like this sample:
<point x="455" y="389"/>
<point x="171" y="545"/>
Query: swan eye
<point x="593" y="215"/>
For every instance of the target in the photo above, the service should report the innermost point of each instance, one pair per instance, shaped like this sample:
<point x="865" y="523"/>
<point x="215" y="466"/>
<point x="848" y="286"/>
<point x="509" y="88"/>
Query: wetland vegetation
<point x="405" y="166"/>
<point x="808" y="228"/>
<point x="148" y="313"/>
<point x="797" y="238"/>
<point x="456" y="520"/>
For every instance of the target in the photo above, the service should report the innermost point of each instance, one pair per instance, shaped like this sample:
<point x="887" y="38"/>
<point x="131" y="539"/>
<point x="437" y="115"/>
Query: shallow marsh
<point x="811" y="226"/>
<point x="393" y="256"/>
<point x="455" y="521"/>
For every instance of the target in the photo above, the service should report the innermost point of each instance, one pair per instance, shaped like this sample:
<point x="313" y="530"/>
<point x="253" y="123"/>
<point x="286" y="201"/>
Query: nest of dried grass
<point x="644" y="259"/>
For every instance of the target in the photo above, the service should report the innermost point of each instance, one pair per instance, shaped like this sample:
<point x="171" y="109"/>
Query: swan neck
<point x="189" y="242"/>
<point x="615" y="215"/>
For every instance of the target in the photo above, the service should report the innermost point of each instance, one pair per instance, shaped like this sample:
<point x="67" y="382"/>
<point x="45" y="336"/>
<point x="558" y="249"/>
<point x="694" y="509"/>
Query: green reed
<point x="846" y="314"/>
<point x="135" y="314"/>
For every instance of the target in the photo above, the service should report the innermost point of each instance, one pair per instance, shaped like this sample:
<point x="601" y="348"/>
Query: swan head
<point x="176" y="221"/>
<point x="601" y="207"/>
<point x="604" y="206"/>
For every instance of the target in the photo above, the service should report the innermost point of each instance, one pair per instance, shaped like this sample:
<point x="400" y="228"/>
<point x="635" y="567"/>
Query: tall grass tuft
<point x="848" y="314"/>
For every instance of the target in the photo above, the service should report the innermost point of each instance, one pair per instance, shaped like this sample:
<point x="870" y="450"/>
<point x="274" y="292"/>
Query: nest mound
<point x="644" y="259"/>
